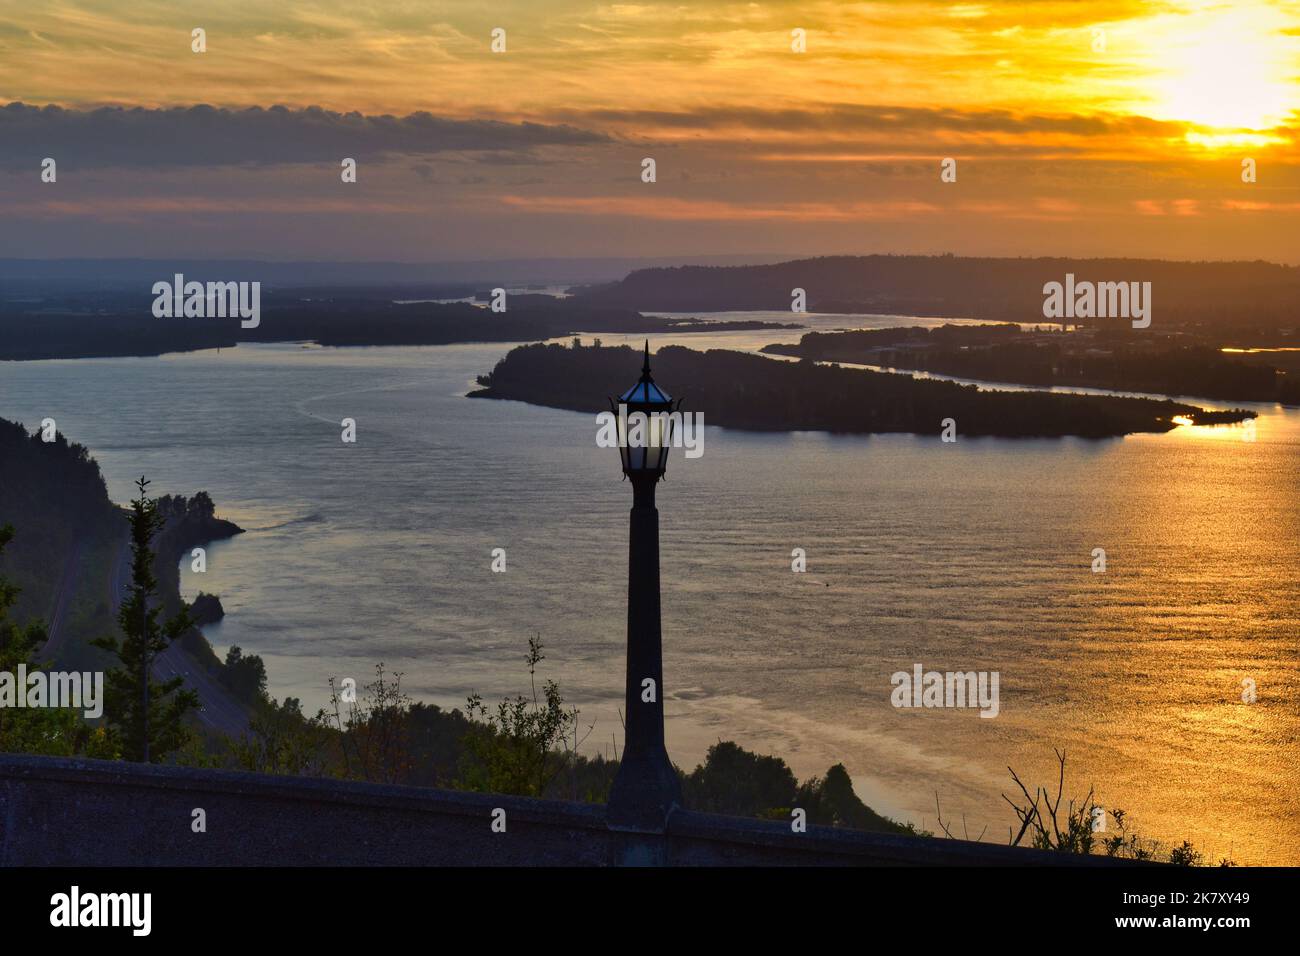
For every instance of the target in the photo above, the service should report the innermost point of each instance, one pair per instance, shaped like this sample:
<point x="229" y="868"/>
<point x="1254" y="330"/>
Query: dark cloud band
<point x="208" y="136"/>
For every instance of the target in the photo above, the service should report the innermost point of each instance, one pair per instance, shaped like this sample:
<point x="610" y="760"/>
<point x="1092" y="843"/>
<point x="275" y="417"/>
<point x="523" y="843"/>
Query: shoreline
<point x="1207" y="402"/>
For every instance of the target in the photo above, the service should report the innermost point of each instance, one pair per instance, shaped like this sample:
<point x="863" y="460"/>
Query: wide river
<point x="974" y="555"/>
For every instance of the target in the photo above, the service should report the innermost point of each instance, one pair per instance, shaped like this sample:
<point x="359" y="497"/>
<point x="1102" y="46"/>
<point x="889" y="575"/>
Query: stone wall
<point x="71" y="812"/>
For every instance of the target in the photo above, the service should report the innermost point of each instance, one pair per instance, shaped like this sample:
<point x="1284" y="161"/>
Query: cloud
<point x="673" y="209"/>
<point x="847" y="118"/>
<point x="677" y="209"/>
<point x="115" y="137"/>
<point x="142" y="208"/>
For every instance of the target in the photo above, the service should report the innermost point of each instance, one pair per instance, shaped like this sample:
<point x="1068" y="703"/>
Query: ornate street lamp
<point x="646" y="789"/>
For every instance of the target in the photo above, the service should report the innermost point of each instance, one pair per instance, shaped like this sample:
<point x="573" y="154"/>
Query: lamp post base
<point x="645" y="793"/>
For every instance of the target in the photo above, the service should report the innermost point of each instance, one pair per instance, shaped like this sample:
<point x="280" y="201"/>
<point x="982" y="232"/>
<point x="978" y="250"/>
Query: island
<point x="1118" y="360"/>
<point x="752" y="392"/>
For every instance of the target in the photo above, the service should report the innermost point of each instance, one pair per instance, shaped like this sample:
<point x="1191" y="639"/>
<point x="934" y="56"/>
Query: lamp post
<point x="646" y="789"/>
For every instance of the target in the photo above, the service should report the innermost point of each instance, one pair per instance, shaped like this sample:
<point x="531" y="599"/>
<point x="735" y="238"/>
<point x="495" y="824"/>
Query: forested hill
<point x="111" y="323"/>
<point x="54" y="496"/>
<point x="68" y="537"/>
<point x="1228" y="293"/>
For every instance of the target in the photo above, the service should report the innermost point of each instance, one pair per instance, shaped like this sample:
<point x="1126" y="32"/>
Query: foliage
<point x="738" y="782"/>
<point x="527" y="745"/>
<point x="280" y="740"/>
<point x="735" y="781"/>
<point x="244" y="675"/>
<point x="1186" y="855"/>
<point x="51" y="731"/>
<point x="1041" y="820"/>
<point x="513" y="749"/>
<point x="374" y="730"/>
<point x="830" y="800"/>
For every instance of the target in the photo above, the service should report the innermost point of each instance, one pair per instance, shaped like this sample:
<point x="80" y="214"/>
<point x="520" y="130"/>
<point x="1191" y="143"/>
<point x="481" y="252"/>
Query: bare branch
<point x="943" y="826"/>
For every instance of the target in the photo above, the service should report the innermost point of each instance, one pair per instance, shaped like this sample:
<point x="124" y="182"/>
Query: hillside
<point x="1259" y="297"/>
<point x="69" y="553"/>
<point x="66" y="532"/>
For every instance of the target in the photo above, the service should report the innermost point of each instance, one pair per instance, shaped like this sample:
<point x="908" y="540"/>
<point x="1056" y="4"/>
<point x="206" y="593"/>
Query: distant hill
<point x="546" y="271"/>
<point x="1216" y="293"/>
<point x="108" y="323"/>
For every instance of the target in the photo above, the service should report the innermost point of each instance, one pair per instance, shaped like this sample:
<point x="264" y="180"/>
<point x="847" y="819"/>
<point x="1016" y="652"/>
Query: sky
<point x="805" y="128"/>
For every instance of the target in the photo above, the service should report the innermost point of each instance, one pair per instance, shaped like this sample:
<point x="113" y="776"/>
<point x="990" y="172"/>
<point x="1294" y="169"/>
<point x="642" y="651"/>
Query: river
<point x="975" y="555"/>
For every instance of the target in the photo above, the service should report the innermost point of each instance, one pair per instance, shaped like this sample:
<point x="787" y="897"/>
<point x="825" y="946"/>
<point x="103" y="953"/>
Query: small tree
<point x="375" y="732"/>
<point x="735" y="781"/>
<point x="1040" y="819"/>
<point x="146" y="716"/>
<point x="244" y="675"/>
<point x="1046" y="829"/>
<point x="515" y="749"/>
<point x="281" y="740"/>
<point x="201" y="506"/>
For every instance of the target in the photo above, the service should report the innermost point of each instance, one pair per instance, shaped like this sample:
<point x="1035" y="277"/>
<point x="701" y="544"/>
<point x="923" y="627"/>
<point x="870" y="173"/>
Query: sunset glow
<point x="1127" y="115"/>
<point x="1227" y="69"/>
<point x="329" y="332"/>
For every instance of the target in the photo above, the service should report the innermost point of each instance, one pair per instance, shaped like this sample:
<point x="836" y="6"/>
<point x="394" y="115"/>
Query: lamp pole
<point x="646" y="789"/>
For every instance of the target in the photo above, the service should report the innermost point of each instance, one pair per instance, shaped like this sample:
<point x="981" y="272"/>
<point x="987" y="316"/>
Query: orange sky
<point x="1108" y="128"/>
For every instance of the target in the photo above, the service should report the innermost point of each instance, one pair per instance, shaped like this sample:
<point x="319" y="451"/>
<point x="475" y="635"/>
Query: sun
<point x="1227" y="69"/>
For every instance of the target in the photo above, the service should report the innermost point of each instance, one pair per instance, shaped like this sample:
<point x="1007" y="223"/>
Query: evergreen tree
<point x="147" y="716"/>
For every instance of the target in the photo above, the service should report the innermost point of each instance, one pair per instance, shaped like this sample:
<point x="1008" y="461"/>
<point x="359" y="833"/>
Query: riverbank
<point x="190" y="524"/>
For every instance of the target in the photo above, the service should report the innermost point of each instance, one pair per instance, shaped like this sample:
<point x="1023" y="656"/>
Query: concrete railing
<point x="72" y="812"/>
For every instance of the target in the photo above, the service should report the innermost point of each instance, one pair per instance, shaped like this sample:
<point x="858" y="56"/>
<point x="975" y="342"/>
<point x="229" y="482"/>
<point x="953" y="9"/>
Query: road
<point x="57" y="633"/>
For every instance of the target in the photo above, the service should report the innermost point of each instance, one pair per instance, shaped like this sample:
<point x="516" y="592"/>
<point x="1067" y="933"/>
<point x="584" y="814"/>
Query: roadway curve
<point x="57" y="633"/>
